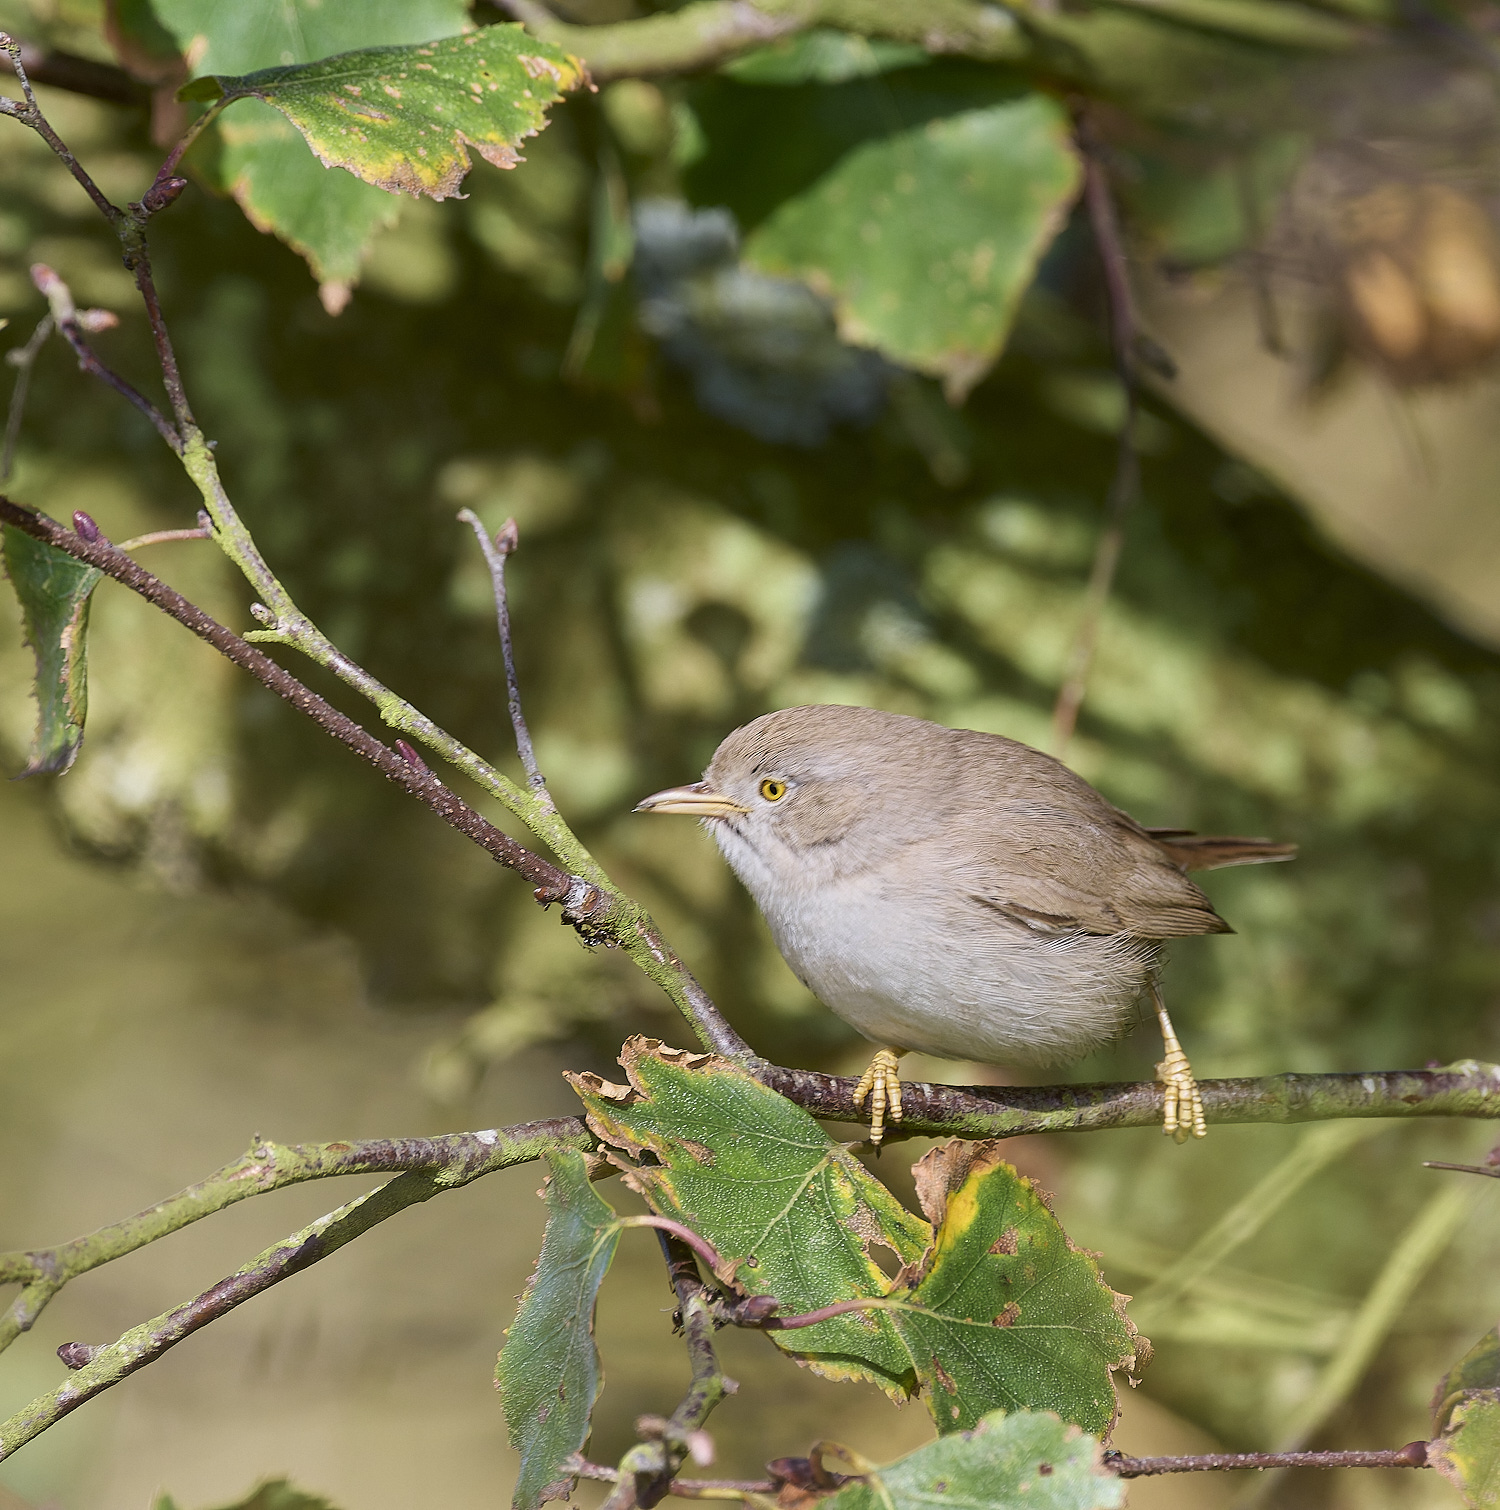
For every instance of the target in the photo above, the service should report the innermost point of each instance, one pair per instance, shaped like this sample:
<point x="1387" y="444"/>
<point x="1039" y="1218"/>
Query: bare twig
<point x="30" y="114"/>
<point x="495" y="553"/>
<point x="455" y="1157"/>
<point x="583" y="903"/>
<point x="23" y="359"/>
<point x="72" y="322"/>
<point x="1491" y="1170"/>
<point x="600" y="911"/>
<point x="77" y="75"/>
<point x="162" y="537"/>
<point x="1125" y="484"/>
<point x="647" y="1470"/>
<point x="105" y="1366"/>
<point x="683" y="1488"/>
<point x="1413" y="1455"/>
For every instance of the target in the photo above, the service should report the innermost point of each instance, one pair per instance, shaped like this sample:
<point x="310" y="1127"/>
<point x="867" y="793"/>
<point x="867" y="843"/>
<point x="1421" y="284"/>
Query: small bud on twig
<point x="78" y="1354"/>
<point x="87" y="529"/>
<point x="95" y="320"/>
<point x="508" y="538"/>
<point x="409" y="754"/>
<point x="161" y="194"/>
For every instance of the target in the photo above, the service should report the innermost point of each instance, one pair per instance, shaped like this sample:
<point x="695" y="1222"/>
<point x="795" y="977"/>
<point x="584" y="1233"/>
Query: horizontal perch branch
<point x="458" y="1161"/>
<point x="805" y="1474"/>
<point x="1465" y="1089"/>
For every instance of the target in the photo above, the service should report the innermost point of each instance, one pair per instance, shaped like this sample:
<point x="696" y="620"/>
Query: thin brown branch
<point x="76" y="75"/>
<point x="553" y="885"/>
<point x="1490" y="1170"/>
<point x="71" y="322"/>
<point x="1413" y="1455"/>
<point x="30" y="114"/>
<point x="496" y="552"/>
<point x="23" y="359"/>
<point x="686" y="1488"/>
<point x="646" y="1472"/>
<point x="1125" y="484"/>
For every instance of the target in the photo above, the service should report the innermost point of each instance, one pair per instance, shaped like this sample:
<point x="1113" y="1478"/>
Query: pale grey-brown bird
<point x="956" y="893"/>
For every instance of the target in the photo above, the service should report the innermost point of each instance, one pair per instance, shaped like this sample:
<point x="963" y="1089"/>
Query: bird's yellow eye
<point x="772" y="791"/>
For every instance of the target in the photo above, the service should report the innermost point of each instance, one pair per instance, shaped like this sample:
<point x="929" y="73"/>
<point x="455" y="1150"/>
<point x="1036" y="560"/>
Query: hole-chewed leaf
<point x="54" y="590"/>
<point x="998" y="1309"/>
<point x="548" y="1371"/>
<point x="1005" y="1312"/>
<point x="401" y="117"/>
<point x="1027" y="1458"/>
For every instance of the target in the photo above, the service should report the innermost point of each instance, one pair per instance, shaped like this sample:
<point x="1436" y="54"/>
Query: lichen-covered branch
<point x="453" y="1159"/>
<point x="106" y="1366"/>
<point x="708" y="32"/>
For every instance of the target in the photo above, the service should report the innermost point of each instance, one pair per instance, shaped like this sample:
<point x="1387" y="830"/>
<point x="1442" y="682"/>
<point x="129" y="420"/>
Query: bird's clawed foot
<point x="1182" y="1108"/>
<point x="882" y="1084"/>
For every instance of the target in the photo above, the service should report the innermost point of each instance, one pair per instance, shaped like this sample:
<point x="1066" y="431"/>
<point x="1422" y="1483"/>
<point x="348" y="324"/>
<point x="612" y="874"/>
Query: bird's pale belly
<point x="983" y="988"/>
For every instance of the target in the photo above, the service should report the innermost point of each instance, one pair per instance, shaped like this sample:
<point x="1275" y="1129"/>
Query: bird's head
<point x="814" y="792"/>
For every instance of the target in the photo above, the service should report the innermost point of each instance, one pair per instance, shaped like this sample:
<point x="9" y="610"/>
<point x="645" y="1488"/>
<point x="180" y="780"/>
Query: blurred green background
<point x="217" y="924"/>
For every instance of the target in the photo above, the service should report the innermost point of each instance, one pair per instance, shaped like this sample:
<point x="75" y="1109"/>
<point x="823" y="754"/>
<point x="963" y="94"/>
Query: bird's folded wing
<point x="1062" y="873"/>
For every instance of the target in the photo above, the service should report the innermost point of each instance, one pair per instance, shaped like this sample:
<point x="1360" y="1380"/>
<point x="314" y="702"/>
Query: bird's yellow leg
<point x="882" y="1084"/>
<point x="1182" y="1112"/>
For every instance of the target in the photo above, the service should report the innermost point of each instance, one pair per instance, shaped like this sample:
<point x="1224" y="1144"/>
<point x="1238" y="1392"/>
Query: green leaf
<point x="273" y="1494"/>
<point x="1005" y="1311"/>
<point x="236" y="36"/>
<point x="1468" y="1452"/>
<point x="548" y="1372"/>
<point x="824" y="56"/>
<point x="1466" y="1424"/>
<point x="998" y="1309"/>
<point x="328" y="218"/>
<point x="54" y="590"/>
<point x="401" y="118"/>
<point x="1027" y="1459"/>
<point x="926" y="240"/>
<point x="754" y="1174"/>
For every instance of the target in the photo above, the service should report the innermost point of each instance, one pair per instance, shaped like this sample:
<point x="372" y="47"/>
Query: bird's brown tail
<point x="1206" y="852"/>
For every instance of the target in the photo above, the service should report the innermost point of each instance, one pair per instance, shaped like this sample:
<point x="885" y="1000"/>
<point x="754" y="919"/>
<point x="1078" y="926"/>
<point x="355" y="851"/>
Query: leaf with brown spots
<point x="401" y="118"/>
<point x="1005" y="1311"/>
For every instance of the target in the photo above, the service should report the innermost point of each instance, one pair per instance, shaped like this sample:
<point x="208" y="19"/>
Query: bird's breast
<point x="937" y="973"/>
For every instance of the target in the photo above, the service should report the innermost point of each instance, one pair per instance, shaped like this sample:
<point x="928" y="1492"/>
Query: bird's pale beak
<point x="699" y="800"/>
